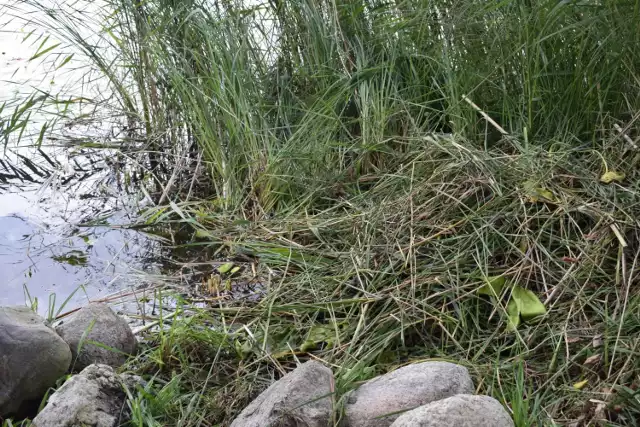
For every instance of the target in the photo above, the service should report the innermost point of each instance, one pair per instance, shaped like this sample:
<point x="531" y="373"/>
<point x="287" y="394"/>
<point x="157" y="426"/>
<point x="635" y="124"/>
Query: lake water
<point x="51" y="197"/>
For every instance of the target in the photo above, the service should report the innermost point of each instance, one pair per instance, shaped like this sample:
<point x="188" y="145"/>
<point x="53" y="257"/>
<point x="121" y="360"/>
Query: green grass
<point x="353" y="172"/>
<point x="391" y="274"/>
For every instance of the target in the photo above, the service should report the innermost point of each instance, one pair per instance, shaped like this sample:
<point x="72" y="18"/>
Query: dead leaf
<point x="591" y="360"/>
<point x="597" y="341"/>
<point x="599" y="413"/>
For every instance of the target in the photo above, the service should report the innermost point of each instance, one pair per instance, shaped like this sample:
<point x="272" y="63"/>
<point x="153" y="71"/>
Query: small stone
<point x="32" y="358"/>
<point x="95" y="397"/>
<point x="104" y="327"/>
<point x="378" y="401"/>
<point x="462" y="410"/>
<point x="300" y="398"/>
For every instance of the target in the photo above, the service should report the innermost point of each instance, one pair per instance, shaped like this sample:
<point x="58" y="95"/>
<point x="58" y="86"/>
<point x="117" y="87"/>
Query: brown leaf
<point x="591" y="360"/>
<point x="597" y="341"/>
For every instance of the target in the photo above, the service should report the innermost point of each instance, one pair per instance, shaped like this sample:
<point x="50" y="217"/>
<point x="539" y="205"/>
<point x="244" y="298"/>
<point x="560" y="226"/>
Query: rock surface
<point x="95" y="397"/>
<point x="302" y="398"/>
<point x="32" y="358"/>
<point x="462" y="410"/>
<point x="104" y="327"/>
<point x="376" y="401"/>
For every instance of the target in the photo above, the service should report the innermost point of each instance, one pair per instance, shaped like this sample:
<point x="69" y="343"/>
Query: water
<point x="52" y="197"/>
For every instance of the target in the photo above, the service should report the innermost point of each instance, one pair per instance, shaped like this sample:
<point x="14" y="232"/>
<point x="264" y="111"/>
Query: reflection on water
<point x="48" y="242"/>
<point x="62" y="206"/>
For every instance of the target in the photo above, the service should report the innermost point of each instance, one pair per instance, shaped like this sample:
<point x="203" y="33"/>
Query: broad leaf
<point x="493" y="286"/>
<point x="224" y="268"/>
<point x="528" y="303"/>
<point x="580" y="385"/>
<point x="513" y="312"/>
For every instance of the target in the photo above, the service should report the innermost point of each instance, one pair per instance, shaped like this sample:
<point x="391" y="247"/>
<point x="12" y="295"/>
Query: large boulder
<point x="32" y="358"/>
<point x="95" y="397"/>
<point x="462" y="410"/>
<point x="300" y="398"/>
<point x="378" y="402"/>
<point x="97" y="323"/>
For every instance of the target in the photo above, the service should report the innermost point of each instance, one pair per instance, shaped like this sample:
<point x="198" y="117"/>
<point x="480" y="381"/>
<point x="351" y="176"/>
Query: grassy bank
<point x="396" y="180"/>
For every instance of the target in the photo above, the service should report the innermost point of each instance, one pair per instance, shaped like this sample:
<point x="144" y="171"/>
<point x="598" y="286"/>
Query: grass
<point x="371" y="165"/>
<point x="391" y="275"/>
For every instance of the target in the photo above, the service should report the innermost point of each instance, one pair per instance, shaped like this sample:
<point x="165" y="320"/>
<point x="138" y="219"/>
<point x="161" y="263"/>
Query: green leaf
<point x="610" y="176"/>
<point x="493" y="286"/>
<point x="580" y="385"/>
<point x="64" y="61"/>
<point x="235" y="269"/>
<point x="318" y="334"/>
<point x="41" y="136"/>
<point x="224" y="268"/>
<point x="203" y="234"/>
<point x="513" y="312"/>
<point x="43" y="52"/>
<point x="528" y="303"/>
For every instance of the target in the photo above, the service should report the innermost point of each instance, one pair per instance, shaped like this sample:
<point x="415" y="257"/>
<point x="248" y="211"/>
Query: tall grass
<point x="285" y="98"/>
<point x="374" y="164"/>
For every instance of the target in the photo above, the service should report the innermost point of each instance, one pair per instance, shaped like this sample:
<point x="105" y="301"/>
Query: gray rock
<point x="462" y="410"/>
<point x="32" y="358"/>
<point x="104" y="327"/>
<point x="377" y="402"/>
<point x="302" y="398"/>
<point x="95" y="397"/>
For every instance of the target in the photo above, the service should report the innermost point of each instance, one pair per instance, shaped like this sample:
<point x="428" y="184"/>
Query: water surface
<point x="63" y="207"/>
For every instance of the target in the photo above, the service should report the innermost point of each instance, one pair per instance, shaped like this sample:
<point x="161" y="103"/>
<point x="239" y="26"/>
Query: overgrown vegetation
<point x="378" y="168"/>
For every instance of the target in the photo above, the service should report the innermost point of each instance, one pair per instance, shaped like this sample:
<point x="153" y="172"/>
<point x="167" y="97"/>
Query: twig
<point x="148" y="326"/>
<point x="625" y="136"/>
<point x="169" y="185"/>
<point x="485" y="115"/>
<point x="619" y="235"/>
<point x="195" y="175"/>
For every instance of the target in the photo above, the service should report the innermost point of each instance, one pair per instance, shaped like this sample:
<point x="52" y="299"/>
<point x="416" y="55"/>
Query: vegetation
<point x="398" y="181"/>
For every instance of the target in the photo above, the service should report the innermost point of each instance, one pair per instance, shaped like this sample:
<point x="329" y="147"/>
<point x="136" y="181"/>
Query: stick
<point x="621" y="239"/>
<point x="625" y="136"/>
<point x="485" y="115"/>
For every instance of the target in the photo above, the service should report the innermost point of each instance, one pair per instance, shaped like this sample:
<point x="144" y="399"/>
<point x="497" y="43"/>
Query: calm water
<point x="52" y="197"/>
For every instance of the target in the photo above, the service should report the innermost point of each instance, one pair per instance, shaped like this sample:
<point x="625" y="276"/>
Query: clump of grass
<point x="285" y="98"/>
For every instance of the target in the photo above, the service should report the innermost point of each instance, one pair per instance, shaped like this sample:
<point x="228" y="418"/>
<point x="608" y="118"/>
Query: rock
<point x="462" y="410"/>
<point x="95" y="397"/>
<point x="104" y="327"/>
<point x="405" y="388"/>
<point x="32" y="358"/>
<point x="302" y="398"/>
